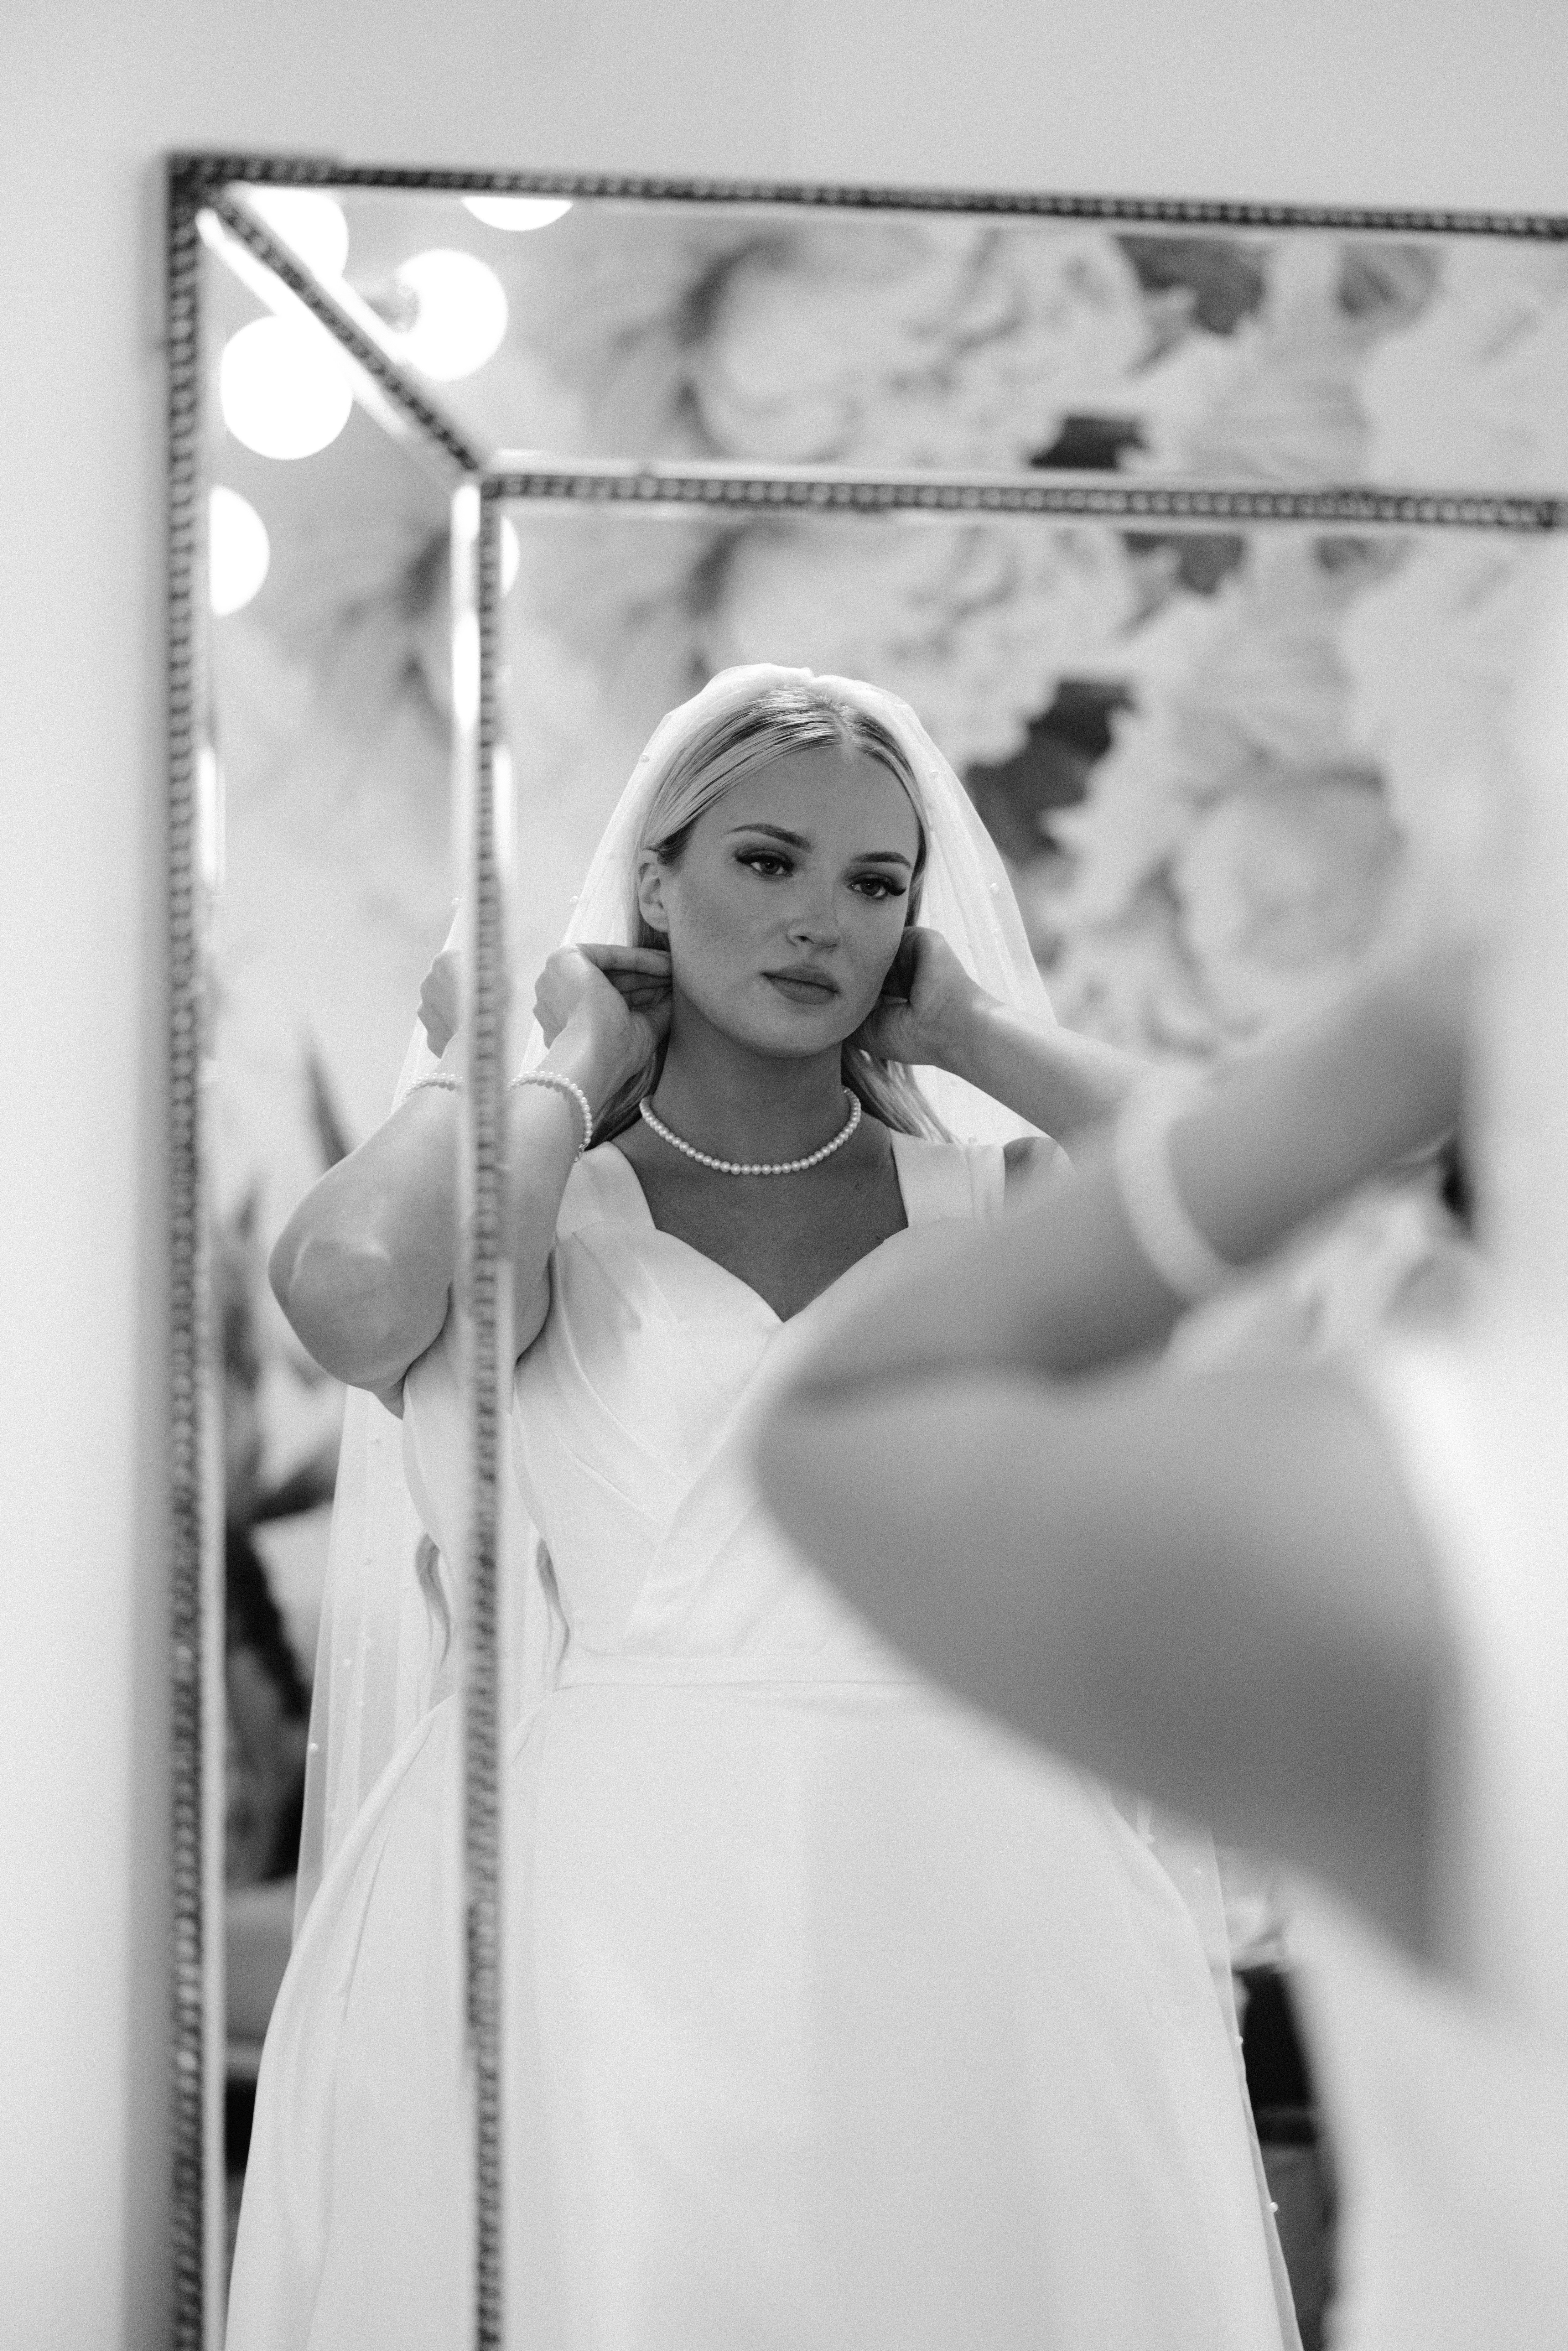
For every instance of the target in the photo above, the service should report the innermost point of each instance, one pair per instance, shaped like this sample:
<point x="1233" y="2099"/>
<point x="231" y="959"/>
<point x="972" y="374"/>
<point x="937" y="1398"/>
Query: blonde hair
<point x="731" y="748"/>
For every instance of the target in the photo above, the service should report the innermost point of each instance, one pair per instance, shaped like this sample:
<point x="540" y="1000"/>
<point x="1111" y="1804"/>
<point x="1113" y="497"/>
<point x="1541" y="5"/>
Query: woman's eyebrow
<point x="776" y="833"/>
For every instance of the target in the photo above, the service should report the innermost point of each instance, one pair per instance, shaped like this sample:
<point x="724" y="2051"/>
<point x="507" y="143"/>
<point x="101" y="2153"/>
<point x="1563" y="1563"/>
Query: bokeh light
<point x="515" y="212"/>
<point x="282" y="388"/>
<point x="238" y="551"/>
<point x="313" y="225"/>
<point x="461" y="318"/>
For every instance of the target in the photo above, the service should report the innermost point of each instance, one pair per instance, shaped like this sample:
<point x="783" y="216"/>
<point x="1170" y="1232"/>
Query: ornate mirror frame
<point x="207" y="206"/>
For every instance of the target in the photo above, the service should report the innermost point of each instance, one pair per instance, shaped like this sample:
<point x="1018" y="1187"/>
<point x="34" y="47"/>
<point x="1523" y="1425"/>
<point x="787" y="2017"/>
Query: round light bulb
<point x="238" y="551"/>
<point x="516" y="211"/>
<point x="313" y="225"/>
<point x="461" y="318"/>
<point x="282" y="389"/>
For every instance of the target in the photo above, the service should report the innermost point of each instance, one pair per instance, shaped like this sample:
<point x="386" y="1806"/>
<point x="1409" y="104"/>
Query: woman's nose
<point x="815" y="923"/>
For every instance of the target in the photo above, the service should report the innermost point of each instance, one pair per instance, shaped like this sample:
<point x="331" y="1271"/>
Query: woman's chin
<point x="796" y="1041"/>
<point x="784" y="1025"/>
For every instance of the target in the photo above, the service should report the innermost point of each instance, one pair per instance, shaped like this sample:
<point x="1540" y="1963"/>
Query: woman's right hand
<point x="613" y="1002"/>
<point x="441" y="1001"/>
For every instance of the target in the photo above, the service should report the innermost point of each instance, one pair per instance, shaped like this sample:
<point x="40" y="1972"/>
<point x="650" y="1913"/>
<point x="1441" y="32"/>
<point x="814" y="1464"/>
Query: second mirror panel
<point x="1212" y="765"/>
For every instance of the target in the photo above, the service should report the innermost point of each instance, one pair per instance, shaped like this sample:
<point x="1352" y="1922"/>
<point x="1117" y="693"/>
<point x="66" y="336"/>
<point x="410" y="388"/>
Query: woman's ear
<point x="650" y="891"/>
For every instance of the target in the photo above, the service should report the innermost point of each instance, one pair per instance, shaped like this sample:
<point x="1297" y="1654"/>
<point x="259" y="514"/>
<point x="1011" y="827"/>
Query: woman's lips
<point x="801" y="988"/>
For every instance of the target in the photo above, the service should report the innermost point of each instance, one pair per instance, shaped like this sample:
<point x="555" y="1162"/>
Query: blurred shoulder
<point x="1030" y="1162"/>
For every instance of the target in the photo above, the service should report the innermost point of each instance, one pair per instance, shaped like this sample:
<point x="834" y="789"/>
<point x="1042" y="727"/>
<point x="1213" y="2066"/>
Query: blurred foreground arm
<point x="1062" y="1284"/>
<point x="1211" y="1588"/>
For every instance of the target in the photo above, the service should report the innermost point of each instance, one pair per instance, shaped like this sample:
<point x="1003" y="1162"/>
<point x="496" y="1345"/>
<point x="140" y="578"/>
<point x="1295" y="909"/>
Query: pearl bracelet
<point x="447" y="1082"/>
<point x="1184" y="1258"/>
<point x="569" y="1086"/>
<point x="444" y="1081"/>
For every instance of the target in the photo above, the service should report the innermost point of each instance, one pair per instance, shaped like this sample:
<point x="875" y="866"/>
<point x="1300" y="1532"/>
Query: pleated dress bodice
<point x="633" y="1408"/>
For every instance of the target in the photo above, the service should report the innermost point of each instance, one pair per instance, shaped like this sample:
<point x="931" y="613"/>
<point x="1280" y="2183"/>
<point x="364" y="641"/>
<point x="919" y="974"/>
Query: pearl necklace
<point x="756" y="1167"/>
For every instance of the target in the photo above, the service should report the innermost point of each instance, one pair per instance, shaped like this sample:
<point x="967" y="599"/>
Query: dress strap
<point x="945" y="1181"/>
<point x="602" y="1189"/>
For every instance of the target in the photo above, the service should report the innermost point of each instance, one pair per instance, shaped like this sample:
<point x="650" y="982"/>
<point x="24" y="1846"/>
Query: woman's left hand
<point x="927" y="1009"/>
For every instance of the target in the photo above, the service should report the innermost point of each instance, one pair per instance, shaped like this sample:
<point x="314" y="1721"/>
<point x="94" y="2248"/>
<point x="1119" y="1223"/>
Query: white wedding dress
<point x="838" y="2019"/>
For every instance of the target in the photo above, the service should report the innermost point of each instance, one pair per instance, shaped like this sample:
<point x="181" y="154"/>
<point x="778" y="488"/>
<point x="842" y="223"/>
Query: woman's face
<point x="785" y="907"/>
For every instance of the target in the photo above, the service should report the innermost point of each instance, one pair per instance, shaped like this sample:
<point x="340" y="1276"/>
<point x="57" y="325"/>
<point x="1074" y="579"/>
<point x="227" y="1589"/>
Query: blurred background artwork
<point x="1206" y="757"/>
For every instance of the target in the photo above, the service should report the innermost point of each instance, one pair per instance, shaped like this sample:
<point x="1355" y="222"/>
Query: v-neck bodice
<point x="633" y="1410"/>
<point x="945" y="1189"/>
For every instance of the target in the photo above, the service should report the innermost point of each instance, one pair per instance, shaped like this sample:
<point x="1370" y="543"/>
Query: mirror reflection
<point x="791" y="335"/>
<point x="791" y="1922"/>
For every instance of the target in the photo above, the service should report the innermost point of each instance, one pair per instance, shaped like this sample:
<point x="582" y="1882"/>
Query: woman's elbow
<point x="345" y="1303"/>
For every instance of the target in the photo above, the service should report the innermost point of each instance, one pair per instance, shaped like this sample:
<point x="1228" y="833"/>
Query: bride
<point x="836" y="2017"/>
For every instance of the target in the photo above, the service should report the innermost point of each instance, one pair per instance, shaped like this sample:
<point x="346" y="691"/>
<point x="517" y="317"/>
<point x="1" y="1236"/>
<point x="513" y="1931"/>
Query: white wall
<point x="1420" y="100"/>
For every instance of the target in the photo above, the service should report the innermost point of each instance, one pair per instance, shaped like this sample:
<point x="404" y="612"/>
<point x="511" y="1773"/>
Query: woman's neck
<point x="724" y="1097"/>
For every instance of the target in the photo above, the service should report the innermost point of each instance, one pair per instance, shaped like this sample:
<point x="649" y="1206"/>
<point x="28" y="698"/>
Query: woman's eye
<point x="758" y="859"/>
<point x="878" y="886"/>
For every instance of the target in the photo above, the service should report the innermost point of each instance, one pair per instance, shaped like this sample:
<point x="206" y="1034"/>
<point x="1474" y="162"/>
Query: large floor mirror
<point x="1189" y="531"/>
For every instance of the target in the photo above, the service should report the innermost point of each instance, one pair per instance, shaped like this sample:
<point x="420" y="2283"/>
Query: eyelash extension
<point x="755" y="858"/>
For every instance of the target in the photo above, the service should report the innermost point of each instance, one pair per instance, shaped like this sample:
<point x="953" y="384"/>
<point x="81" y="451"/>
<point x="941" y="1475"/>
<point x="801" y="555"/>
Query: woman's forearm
<point x="1059" y="1081"/>
<point x="1302" y="1122"/>
<point x="365" y="1267"/>
<point x="1153" y="1578"/>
